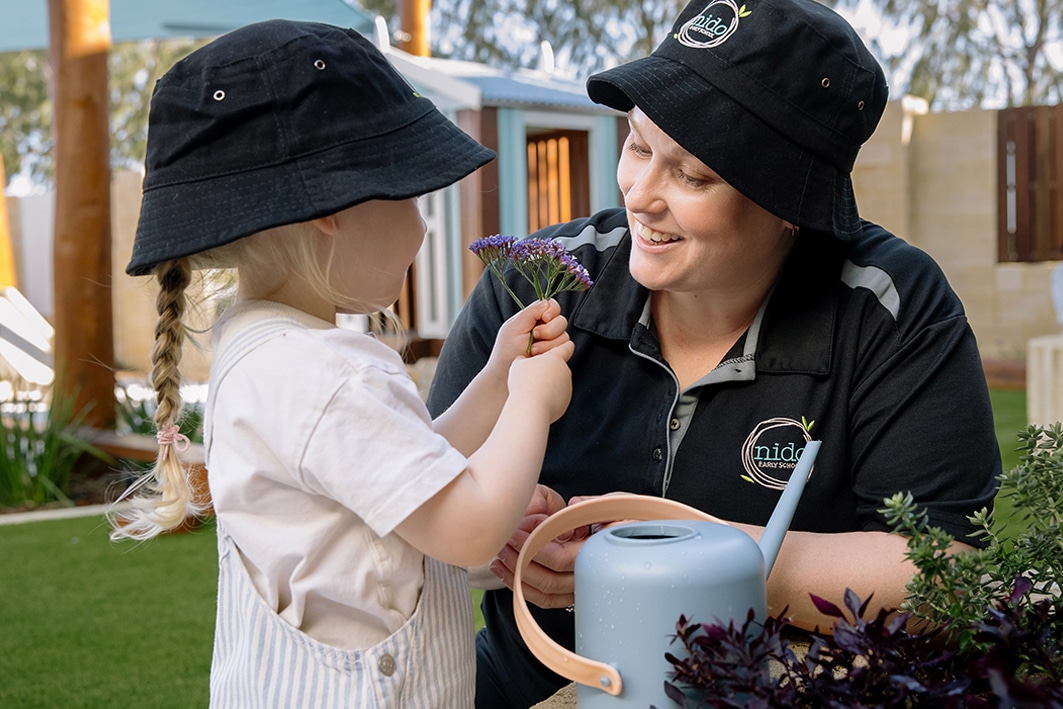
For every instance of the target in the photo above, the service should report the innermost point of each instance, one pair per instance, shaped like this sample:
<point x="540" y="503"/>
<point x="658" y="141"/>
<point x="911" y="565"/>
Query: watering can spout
<point x="775" y="530"/>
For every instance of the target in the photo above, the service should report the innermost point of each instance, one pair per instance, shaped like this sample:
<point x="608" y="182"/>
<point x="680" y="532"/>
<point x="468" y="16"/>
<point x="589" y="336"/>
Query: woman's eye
<point x="637" y="149"/>
<point x="691" y="180"/>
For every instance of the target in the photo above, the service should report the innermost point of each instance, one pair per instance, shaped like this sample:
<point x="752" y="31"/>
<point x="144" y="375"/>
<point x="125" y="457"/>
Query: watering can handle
<point x="608" y="508"/>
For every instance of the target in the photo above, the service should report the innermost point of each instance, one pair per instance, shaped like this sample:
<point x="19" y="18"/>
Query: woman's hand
<point x="548" y="581"/>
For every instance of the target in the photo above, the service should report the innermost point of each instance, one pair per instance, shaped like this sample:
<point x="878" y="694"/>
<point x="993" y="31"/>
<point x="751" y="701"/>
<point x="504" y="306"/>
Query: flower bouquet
<point x="545" y="263"/>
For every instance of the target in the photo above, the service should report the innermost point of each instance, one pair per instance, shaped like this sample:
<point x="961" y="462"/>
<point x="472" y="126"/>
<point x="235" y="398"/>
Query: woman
<point x="740" y="308"/>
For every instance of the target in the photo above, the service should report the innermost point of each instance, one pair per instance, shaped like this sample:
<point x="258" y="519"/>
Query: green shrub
<point x="137" y="415"/>
<point x="38" y="451"/>
<point x="957" y="588"/>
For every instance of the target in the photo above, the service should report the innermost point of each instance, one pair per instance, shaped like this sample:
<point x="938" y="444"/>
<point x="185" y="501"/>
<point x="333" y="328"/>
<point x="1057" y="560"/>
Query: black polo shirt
<point x="862" y="345"/>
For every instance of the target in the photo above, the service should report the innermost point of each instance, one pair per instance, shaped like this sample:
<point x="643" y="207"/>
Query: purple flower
<point x="545" y="263"/>
<point x="493" y="250"/>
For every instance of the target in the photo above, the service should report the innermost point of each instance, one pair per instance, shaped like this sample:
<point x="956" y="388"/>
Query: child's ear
<point x="326" y="225"/>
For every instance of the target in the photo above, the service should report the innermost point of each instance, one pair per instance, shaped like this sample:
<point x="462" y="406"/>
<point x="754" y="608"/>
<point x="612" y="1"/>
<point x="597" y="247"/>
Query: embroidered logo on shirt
<point x="772" y="449"/>
<point x="712" y="26"/>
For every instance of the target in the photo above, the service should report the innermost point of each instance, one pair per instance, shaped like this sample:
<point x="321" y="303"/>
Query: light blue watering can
<point x="634" y="580"/>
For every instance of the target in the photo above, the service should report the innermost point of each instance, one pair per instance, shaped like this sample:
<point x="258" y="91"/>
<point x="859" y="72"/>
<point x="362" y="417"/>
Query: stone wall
<point x="931" y="178"/>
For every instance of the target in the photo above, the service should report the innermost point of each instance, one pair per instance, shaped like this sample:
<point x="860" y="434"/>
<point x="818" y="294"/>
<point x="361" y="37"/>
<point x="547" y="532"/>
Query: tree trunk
<point x="80" y="38"/>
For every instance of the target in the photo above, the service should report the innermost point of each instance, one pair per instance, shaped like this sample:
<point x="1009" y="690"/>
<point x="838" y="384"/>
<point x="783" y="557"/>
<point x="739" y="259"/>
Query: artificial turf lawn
<point x="85" y="622"/>
<point x="1009" y="417"/>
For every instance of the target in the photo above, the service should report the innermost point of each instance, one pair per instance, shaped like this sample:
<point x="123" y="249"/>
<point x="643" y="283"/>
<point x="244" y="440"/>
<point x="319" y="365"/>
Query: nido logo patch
<point x="712" y="26"/>
<point x="771" y="451"/>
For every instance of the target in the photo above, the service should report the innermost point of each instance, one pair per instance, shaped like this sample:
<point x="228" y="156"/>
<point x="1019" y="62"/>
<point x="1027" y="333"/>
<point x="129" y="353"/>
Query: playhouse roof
<point x="474" y="85"/>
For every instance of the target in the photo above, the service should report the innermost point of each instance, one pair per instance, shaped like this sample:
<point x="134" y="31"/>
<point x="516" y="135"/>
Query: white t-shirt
<point x="319" y="445"/>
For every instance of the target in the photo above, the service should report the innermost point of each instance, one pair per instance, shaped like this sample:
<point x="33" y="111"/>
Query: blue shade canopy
<point x="24" y="23"/>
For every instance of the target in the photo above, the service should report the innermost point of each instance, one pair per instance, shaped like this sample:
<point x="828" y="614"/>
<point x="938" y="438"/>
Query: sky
<point x="893" y="39"/>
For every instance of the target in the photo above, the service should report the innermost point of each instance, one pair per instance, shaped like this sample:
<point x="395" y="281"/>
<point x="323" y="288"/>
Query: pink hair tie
<point x="171" y="437"/>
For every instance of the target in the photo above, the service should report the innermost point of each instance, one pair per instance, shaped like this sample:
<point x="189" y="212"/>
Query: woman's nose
<point x="643" y="193"/>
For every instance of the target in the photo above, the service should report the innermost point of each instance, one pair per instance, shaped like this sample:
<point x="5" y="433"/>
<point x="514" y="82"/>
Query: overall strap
<point x="233" y="348"/>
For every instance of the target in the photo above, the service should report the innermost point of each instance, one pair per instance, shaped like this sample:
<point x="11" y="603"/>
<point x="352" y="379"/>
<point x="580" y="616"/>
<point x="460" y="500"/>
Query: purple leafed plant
<point x="872" y="662"/>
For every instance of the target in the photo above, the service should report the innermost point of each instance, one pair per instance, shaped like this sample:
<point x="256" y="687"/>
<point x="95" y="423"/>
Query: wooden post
<point x="8" y="272"/>
<point x="413" y="18"/>
<point x="413" y="21"/>
<point x="80" y="38"/>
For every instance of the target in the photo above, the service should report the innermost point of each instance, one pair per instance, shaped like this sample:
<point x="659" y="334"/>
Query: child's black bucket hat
<point x="281" y="122"/>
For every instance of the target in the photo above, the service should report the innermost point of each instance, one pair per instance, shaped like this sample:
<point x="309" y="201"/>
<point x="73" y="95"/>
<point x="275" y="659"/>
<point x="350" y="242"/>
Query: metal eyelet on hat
<point x="219" y="95"/>
<point x="860" y="106"/>
<point x="825" y="82"/>
<point x="319" y="64"/>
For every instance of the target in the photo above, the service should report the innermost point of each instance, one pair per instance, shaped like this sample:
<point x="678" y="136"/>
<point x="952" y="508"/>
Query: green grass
<point x="1009" y="417"/>
<point x="477" y="596"/>
<point x="85" y="622"/>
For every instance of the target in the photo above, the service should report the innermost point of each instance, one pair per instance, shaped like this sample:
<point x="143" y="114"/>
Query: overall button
<point x="386" y="664"/>
<point x="658" y="454"/>
<point x="674" y="425"/>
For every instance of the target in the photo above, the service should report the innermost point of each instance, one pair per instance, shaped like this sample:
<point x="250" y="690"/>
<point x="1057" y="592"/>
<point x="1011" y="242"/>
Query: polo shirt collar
<point x="792" y="333"/>
<point x="612" y="306"/>
<point x="797" y="335"/>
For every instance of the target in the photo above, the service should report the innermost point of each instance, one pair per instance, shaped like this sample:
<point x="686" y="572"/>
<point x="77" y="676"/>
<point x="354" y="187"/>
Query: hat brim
<point x="213" y="212"/>
<point x="758" y="161"/>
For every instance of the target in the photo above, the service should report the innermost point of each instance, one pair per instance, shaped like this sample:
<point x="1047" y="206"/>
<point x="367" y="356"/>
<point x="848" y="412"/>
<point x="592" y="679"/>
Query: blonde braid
<point x="167" y="494"/>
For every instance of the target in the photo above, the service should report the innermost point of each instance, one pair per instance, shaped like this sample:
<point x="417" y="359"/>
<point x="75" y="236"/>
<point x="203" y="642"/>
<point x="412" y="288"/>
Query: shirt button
<point x="658" y="454"/>
<point x="674" y="425"/>
<point x="386" y="665"/>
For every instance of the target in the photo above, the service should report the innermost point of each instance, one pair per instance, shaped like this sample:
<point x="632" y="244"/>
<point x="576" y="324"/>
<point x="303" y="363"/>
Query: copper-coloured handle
<point x="608" y="508"/>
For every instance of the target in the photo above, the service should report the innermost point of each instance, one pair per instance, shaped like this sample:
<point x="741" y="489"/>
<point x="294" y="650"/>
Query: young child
<point x="294" y="152"/>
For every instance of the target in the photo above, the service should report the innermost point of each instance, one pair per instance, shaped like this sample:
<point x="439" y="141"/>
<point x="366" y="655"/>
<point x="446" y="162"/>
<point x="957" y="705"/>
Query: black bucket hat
<point x="281" y="122"/>
<point x="776" y="96"/>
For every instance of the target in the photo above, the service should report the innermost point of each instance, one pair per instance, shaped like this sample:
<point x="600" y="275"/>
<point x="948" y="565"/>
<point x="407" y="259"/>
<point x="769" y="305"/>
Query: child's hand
<point x="545" y="378"/>
<point x="544" y="320"/>
<point x="550" y="329"/>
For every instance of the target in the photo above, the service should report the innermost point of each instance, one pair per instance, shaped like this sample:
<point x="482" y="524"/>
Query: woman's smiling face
<point x="691" y="231"/>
